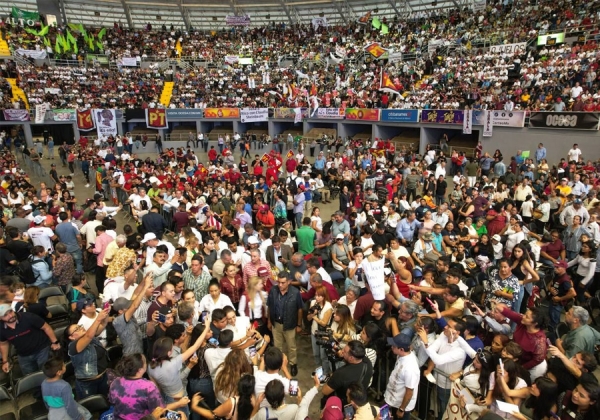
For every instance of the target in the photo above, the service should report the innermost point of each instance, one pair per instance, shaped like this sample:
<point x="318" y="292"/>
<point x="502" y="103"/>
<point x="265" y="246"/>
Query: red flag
<point x="265" y="158"/>
<point x="290" y="153"/>
<point x="364" y="19"/>
<point x="313" y="90"/>
<point x="386" y="83"/>
<point x="156" y="118"/>
<point x="85" y="122"/>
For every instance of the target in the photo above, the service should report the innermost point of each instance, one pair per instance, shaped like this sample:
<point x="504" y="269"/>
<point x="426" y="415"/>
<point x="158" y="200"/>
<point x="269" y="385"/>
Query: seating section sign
<point x="501" y="118"/>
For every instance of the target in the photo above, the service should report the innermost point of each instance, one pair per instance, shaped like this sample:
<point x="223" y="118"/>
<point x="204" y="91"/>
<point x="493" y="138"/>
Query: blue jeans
<point x="298" y="217"/>
<point x="78" y="258"/>
<point x="320" y="356"/>
<point x="205" y="387"/>
<point x="96" y="386"/>
<point x="34" y="362"/>
<point x="554" y="312"/>
<point x="168" y="400"/>
<point x="443" y="396"/>
<point x="221" y="146"/>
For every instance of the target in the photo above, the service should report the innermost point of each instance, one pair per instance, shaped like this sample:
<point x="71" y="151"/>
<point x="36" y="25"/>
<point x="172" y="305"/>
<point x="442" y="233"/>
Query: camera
<point x="325" y="339"/>
<point x="315" y="309"/>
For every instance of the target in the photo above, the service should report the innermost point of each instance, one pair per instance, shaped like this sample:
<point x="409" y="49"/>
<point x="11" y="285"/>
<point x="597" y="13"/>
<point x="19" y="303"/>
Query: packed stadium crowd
<point x="446" y="63"/>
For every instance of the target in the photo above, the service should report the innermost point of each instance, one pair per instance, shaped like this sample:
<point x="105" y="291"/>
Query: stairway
<point x="178" y="48"/>
<point x="17" y="92"/>
<point x="167" y="92"/>
<point x="4" y="49"/>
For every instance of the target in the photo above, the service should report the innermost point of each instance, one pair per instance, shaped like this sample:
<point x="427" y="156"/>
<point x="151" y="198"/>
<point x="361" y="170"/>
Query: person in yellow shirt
<point x="563" y="187"/>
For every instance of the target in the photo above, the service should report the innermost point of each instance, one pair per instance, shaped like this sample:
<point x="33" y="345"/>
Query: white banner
<point x="232" y="59"/>
<point x="468" y="122"/>
<point x="40" y="113"/>
<point x="488" y="124"/>
<point x="479" y="5"/>
<point x="319" y="21"/>
<point x="331" y="113"/>
<point x="297" y="115"/>
<point x="36" y="54"/>
<point x="509" y="49"/>
<point x="394" y="56"/>
<point x="232" y="20"/>
<point x="128" y="61"/>
<point x="254" y="114"/>
<point x="106" y="122"/>
<point x="53" y="91"/>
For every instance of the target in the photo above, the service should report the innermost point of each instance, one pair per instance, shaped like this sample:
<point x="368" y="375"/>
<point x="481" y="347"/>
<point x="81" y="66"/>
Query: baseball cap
<point x="340" y="236"/>
<point x="5" y="308"/>
<point x="301" y="187"/>
<point x="401" y="340"/>
<point x="121" y="304"/>
<point x="148" y="237"/>
<point x="27" y="207"/>
<point x="561" y="264"/>
<point x="39" y="220"/>
<point x="333" y="409"/>
<point x="82" y="303"/>
<point x="496" y="237"/>
<point x="262" y="272"/>
<point x="428" y="237"/>
<point x="252" y="240"/>
<point x="264" y="207"/>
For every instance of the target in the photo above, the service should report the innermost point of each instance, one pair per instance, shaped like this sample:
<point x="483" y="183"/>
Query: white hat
<point x="39" y="220"/>
<point x="252" y="240"/>
<point x="340" y="236"/>
<point x="27" y="207"/>
<point x="148" y="237"/>
<point x="496" y="237"/>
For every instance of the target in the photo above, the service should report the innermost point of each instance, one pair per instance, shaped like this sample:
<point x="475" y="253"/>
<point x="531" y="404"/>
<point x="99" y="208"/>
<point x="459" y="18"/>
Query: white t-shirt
<point x="87" y="323"/>
<point x="263" y="378"/>
<point x="115" y="289"/>
<point x="574" y="154"/>
<point x="41" y="236"/>
<point x="365" y="242"/>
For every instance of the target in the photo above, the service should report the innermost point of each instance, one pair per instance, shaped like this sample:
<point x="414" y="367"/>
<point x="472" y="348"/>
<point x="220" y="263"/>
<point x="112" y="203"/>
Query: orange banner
<point x="222" y="113"/>
<point x="365" y="114"/>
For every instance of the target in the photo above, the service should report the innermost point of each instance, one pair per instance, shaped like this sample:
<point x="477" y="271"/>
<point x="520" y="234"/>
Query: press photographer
<point x="320" y="312"/>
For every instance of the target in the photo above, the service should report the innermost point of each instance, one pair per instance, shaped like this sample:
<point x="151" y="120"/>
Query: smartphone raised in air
<point x="293" y="387"/>
<point x="384" y="412"/>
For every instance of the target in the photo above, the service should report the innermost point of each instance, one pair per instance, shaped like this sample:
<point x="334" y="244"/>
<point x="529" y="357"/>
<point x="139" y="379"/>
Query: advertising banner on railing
<point x="510" y="49"/>
<point x="35" y="54"/>
<point x="330" y="113"/>
<point x="568" y="120"/>
<point x="442" y="116"/>
<point x="400" y="115"/>
<point x="185" y="113"/>
<point x="362" y="114"/>
<point x="221" y="113"/>
<point x="64" y="115"/>
<point x="286" y="113"/>
<point x="156" y="118"/>
<point x="501" y="118"/>
<point x="16" y="115"/>
<point x="85" y="120"/>
<point x="232" y="20"/>
<point x="248" y="115"/>
<point x="40" y="113"/>
<point x="106" y="122"/>
<point x="468" y="122"/>
<point x="488" y="124"/>
<point x="128" y="61"/>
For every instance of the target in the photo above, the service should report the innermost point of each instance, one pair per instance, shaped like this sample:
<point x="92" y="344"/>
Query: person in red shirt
<point x="83" y="142"/>
<point x="290" y="165"/>
<point x="212" y="155"/>
<point x="265" y="218"/>
<point x="272" y="175"/>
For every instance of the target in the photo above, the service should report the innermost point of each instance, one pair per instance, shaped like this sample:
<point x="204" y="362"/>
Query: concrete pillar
<point x="76" y="133"/>
<point x="28" y="134"/>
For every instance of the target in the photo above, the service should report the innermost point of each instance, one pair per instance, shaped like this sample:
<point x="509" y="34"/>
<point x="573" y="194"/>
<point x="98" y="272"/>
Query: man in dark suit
<point x="278" y="254"/>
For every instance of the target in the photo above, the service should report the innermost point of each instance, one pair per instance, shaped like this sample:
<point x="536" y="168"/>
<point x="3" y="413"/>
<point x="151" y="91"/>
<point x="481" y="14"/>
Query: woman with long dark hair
<point x="586" y="269"/>
<point x="241" y="407"/>
<point x="582" y="402"/>
<point x="541" y="400"/>
<point x="199" y="379"/>
<point x="522" y="267"/>
<point x="506" y="379"/>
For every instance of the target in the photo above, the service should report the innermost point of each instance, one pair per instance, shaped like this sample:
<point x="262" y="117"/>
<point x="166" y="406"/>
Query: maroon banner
<point x="85" y="122"/>
<point x="442" y="116"/>
<point x="156" y="118"/>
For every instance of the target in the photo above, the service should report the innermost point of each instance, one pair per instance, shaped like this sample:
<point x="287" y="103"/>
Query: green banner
<point x="384" y="29"/>
<point x="376" y="23"/>
<point x="22" y="14"/>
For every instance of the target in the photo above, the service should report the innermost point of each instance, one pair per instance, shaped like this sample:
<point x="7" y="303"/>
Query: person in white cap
<point x="151" y="242"/>
<point x="42" y="235"/>
<point x="253" y="244"/>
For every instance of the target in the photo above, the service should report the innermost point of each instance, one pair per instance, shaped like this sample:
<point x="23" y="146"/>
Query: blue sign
<point x="400" y="115"/>
<point x="189" y="113"/>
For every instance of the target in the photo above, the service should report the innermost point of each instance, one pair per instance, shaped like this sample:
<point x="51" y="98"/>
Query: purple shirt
<point x="134" y="398"/>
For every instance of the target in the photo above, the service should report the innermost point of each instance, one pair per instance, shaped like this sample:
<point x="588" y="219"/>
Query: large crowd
<point x="446" y="63"/>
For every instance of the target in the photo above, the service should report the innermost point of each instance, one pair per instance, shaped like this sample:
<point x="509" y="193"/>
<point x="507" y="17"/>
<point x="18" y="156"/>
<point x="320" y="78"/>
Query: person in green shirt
<point x="306" y="237"/>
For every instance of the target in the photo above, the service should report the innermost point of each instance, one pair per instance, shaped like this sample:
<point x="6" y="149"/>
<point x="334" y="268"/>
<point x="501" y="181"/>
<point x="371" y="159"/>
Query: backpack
<point x="25" y="270"/>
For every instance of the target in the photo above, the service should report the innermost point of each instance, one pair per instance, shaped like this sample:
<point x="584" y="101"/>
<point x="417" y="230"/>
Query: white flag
<point x="468" y="122"/>
<point x="40" y="113"/>
<point x="298" y="116"/>
<point x="488" y="125"/>
<point x="302" y="75"/>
